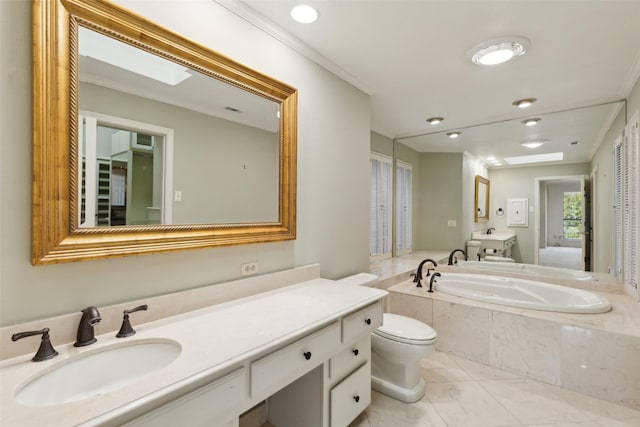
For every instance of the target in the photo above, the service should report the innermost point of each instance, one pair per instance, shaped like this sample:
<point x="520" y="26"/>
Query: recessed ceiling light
<point x="499" y="51"/>
<point x="454" y="135"/>
<point x="534" y="144"/>
<point x="524" y="103"/>
<point x="435" y="120"/>
<point x="535" y="158"/>
<point x="304" y="14"/>
<point x="531" y="122"/>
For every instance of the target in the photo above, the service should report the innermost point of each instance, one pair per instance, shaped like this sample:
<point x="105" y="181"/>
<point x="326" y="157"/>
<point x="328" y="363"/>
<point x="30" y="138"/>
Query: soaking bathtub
<point x="533" y="269"/>
<point x="521" y="293"/>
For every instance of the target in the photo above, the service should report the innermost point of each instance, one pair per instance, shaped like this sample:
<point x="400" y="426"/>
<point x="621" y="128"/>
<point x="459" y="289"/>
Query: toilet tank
<point x="362" y="279"/>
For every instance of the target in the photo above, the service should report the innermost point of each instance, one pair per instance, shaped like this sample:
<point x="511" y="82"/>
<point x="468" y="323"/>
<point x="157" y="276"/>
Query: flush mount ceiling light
<point x="435" y="120"/>
<point x="454" y="135"/>
<point x="534" y="144"/>
<point x="531" y="122"/>
<point x="524" y="103"/>
<point x="304" y="14"/>
<point x="499" y="51"/>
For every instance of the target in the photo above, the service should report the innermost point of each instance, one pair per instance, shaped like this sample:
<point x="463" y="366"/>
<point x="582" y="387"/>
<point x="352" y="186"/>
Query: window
<point x="572" y="220"/>
<point x="403" y="208"/>
<point x="627" y="204"/>
<point x="618" y="218"/>
<point x="381" y="211"/>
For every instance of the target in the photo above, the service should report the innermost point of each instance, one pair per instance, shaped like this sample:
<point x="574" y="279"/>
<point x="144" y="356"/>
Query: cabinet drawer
<point x="361" y="322"/>
<point x="350" y="397"/>
<point x="208" y="405"/>
<point x="348" y="360"/>
<point x="282" y="367"/>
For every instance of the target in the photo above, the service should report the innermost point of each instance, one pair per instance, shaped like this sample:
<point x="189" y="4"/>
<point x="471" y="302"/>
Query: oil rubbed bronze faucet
<point x="452" y="257"/>
<point x="433" y="279"/>
<point x="126" y="330"/>
<point x="90" y="316"/>
<point x="45" y="351"/>
<point x="418" y="275"/>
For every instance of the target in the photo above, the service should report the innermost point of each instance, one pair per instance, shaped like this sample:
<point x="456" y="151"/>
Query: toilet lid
<point x="405" y="329"/>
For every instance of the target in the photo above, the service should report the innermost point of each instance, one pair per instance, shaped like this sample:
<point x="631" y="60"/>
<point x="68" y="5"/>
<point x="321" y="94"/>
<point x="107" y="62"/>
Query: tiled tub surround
<point x="241" y="340"/>
<point x="594" y="354"/>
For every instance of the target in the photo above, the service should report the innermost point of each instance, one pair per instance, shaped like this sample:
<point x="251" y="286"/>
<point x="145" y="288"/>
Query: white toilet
<point x="397" y="348"/>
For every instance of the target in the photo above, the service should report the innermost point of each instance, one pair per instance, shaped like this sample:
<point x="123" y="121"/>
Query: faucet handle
<point x="45" y="351"/>
<point x="126" y="330"/>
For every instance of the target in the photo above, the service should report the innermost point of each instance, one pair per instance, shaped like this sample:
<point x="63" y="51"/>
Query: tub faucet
<point x="418" y="275"/>
<point x="90" y="316"/>
<point x="454" y="260"/>
<point x="490" y="230"/>
<point x="433" y="279"/>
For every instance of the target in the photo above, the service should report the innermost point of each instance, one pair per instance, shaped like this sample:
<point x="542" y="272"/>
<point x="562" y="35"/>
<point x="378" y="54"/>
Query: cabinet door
<point x="350" y="397"/>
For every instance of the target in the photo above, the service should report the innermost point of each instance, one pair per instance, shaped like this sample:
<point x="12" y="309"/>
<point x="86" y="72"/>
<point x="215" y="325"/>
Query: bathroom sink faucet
<point x="454" y="260"/>
<point x="490" y="230"/>
<point x="90" y="316"/>
<point x="418" y="275"/>
<point x="45" y="351"/>
<point x="433" y="279"/>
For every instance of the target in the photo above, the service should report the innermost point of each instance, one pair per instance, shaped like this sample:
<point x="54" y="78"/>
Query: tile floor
<point x="468" y="394"/>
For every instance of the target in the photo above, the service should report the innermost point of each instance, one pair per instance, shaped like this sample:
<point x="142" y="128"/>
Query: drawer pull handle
<point x="356" y="398"/>
<point x="307" y="355"/>
<point x="355" y="352"/>
<point x="367" y="321"/>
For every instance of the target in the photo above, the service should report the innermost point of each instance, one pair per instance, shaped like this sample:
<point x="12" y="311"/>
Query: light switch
<point x="451" y="223"/>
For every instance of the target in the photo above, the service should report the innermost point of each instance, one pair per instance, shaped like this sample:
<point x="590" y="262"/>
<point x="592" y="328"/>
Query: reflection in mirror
<point x="225" y="138"/>
<point x="481" y="211"/>
<point x="146" y="142"/>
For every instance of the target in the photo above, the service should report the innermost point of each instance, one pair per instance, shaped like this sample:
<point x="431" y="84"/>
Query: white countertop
<point x="496" y="235"/>
<point x="215" y="340"/>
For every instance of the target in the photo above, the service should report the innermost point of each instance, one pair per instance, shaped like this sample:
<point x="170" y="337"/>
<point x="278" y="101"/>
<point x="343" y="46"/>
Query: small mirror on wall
<point x="481" y="211"/>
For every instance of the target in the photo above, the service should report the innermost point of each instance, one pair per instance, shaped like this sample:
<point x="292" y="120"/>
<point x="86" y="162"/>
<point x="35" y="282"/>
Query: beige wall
<point x="440" y="201"/>
<point x="333" y="148"/>
<point x="520" y="182"/>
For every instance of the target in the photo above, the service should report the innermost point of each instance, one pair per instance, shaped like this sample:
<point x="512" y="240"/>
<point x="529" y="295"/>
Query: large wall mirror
<point x="481" y="210"/>
<point x="146" y="142"/>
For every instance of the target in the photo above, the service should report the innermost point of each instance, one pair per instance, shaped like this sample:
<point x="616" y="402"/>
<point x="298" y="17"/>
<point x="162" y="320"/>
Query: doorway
<point x="563" y="224"/>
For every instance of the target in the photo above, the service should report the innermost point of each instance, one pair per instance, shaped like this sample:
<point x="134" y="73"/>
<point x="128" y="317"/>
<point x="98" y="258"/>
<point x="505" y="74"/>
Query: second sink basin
<point x="98" y="372"/>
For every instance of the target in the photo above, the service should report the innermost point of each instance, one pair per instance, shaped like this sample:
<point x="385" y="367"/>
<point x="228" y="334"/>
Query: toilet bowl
<point x="396" y="350"/>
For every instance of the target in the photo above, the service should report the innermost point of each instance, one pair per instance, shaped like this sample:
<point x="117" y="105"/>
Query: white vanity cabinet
<point x="500" y="242"/>
<point x="503" y="246"/>
<point x="336" y="392"/>
<point x="211" y="405"/>
<point x="321" y="378"/>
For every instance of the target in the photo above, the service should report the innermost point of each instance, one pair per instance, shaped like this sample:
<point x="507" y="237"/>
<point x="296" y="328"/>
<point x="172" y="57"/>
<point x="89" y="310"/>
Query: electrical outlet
<point x="451" y="223"/>
<point x="249" y="268"/>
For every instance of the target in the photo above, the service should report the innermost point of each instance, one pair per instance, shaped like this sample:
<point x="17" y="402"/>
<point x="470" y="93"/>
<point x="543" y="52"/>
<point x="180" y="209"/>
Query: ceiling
<point x="411" y="57"/>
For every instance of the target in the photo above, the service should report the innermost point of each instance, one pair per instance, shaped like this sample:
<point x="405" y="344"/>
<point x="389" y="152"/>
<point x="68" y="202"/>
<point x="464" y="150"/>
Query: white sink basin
<point x="97" y="372"/>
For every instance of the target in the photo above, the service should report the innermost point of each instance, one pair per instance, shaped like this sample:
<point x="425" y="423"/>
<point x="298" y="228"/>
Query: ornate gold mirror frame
<point x="481" y="205"/>
<point x="56" y="236"/>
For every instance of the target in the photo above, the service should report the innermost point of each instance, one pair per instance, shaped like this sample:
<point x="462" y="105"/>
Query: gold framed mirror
<point x="481" y="206"/>
<point x="65" y="181"/>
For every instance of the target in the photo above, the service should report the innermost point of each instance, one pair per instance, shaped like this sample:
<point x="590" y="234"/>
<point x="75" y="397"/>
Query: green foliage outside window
<point x="572" y="215"/>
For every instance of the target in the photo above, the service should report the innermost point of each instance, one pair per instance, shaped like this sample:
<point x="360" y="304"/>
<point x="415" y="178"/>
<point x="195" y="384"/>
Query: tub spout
<point x="453" y="259"/>
<point x="418" y="276"/>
